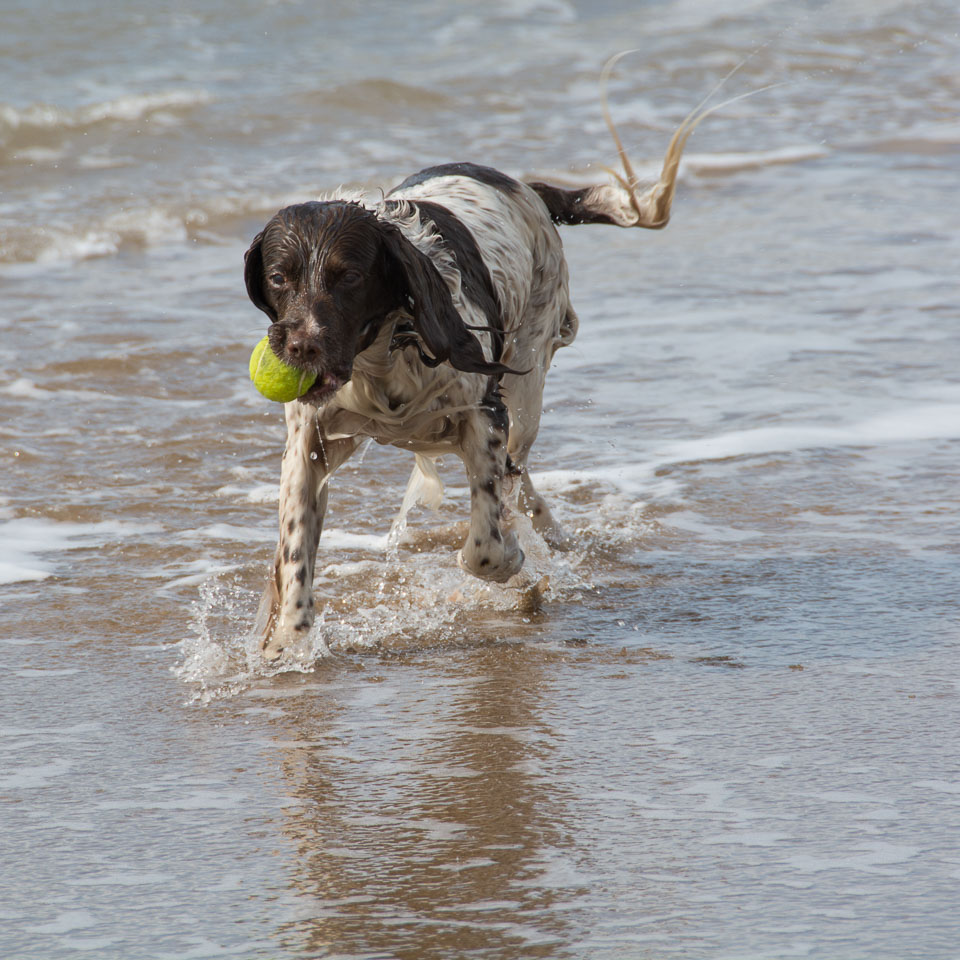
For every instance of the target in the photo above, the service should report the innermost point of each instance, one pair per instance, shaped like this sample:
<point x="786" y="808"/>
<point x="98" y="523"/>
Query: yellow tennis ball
<point x="275" y="379"/>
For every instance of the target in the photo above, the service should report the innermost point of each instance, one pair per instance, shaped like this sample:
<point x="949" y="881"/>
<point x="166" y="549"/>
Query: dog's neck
<point x="392" y="395"/>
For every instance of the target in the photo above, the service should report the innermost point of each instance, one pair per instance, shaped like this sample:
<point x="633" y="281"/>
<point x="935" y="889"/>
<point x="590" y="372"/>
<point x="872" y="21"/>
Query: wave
<point x="162" y="224"/>
<point x="214" y="219"/>
<point x="934" y="138"/>
<point x="32" y="548"/>
<point x="378" y="96"/>
<point x="18" y="126"/>
<point x="721" y="163"/>
<point x="66" y="244"/>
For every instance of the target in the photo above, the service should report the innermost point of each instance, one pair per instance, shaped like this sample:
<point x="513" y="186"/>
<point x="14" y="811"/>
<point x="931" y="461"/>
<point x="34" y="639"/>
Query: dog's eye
<point x="350" y="278"/>
<point x="277" y="279"/>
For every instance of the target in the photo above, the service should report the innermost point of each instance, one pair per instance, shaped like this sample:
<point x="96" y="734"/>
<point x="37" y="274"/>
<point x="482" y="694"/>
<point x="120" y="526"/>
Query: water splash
<point x="404" y="591"/>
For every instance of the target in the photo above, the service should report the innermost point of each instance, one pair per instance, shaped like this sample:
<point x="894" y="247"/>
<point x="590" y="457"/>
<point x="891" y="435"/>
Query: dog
<point x="430" y="319"/>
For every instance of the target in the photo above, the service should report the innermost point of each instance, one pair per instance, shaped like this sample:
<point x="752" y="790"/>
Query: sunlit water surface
<point x="729" y="731"/>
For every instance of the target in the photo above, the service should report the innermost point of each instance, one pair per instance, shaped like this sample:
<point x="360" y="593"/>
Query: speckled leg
<point x="536" y="508"/>
<point x="490" y="551"/>
<point x="287" y="608"/>
<point x="524" y="402"/>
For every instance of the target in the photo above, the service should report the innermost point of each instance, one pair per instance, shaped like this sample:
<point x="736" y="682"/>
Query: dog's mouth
<point x="326" y="385"/>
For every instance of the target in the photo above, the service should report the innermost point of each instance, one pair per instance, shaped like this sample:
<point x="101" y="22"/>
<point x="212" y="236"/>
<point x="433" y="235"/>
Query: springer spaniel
<point x="430" y="319"/>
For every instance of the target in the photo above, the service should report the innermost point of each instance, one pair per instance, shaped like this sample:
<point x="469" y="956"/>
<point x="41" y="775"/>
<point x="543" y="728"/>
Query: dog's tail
<point x="623" y="203"/>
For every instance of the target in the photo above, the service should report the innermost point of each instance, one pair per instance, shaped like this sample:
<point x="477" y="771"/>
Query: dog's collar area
<point x="404" y="335"/>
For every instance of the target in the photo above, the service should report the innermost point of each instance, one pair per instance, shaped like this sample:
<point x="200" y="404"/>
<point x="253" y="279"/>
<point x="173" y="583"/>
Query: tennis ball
<point x="275" y="379"/>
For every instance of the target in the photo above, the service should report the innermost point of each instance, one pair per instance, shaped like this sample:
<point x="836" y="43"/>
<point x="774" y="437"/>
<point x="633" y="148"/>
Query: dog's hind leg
<point x="490" y="551"/>
<point x="287" y="608"/>
<point x="523" y="395"/>
<point x="537" y="509"/>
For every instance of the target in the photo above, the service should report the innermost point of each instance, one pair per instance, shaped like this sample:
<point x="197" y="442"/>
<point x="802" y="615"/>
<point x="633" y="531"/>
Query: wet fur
<point x="430" y="319"/>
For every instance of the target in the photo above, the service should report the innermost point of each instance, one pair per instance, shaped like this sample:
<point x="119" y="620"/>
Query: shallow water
<point x="729" y="729"/>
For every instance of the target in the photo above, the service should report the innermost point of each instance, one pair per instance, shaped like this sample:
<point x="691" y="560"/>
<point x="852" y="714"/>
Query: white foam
<point x="139" y="227"/>
<point x="355" y="541"/>
<point x="221" y="657"/>
<point x="410" y="597"/>
<point x="25" y="388"/>
<point x="70" y="247"/>
<point x="926" y="422"/>
<point x="228" y="531"/>
<point x="25" y="541"/>
<point x="129" y="107"/>
<point x="636" y="477"/>
<point x="731" y="162"/>
<point x="258" y="493"/>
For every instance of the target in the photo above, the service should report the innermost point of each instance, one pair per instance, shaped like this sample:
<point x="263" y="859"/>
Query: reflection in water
<point x="425" y="826"/>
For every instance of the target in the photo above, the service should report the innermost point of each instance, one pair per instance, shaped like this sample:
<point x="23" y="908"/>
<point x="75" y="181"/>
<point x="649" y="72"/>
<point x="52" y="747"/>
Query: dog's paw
<point x="272" y="649"/>
<point x="285" y="641"/>
<point x="491" y="559"/>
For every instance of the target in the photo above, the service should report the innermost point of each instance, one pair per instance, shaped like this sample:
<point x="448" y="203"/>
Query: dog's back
<point x="511" y="240"/>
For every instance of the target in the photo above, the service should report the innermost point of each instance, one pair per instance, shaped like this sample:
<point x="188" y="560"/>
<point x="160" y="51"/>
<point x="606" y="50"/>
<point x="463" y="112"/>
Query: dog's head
<point x="328" y="274"/>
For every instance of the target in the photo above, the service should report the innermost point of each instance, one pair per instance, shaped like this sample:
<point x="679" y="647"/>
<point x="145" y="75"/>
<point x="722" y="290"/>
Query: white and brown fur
<point x="430" y="319"/>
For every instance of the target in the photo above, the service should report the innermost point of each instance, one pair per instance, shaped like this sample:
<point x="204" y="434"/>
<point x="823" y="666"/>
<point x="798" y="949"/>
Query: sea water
<point x="726" y="726"/>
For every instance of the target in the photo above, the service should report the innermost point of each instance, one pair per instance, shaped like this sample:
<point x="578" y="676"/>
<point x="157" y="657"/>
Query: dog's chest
<point x="408" y="404"/>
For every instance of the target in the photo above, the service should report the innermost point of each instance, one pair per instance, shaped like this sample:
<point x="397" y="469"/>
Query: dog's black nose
<point x="301" y="350"/>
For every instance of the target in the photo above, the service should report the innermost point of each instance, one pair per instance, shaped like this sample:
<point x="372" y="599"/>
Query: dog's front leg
<point x="287" y="608"/>
<point x="489" y="552"/>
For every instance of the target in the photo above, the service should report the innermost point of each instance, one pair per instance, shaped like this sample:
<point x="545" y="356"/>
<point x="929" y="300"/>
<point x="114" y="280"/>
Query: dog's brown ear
<point x="253" y="275"/>
<point x="435" y="318"/>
